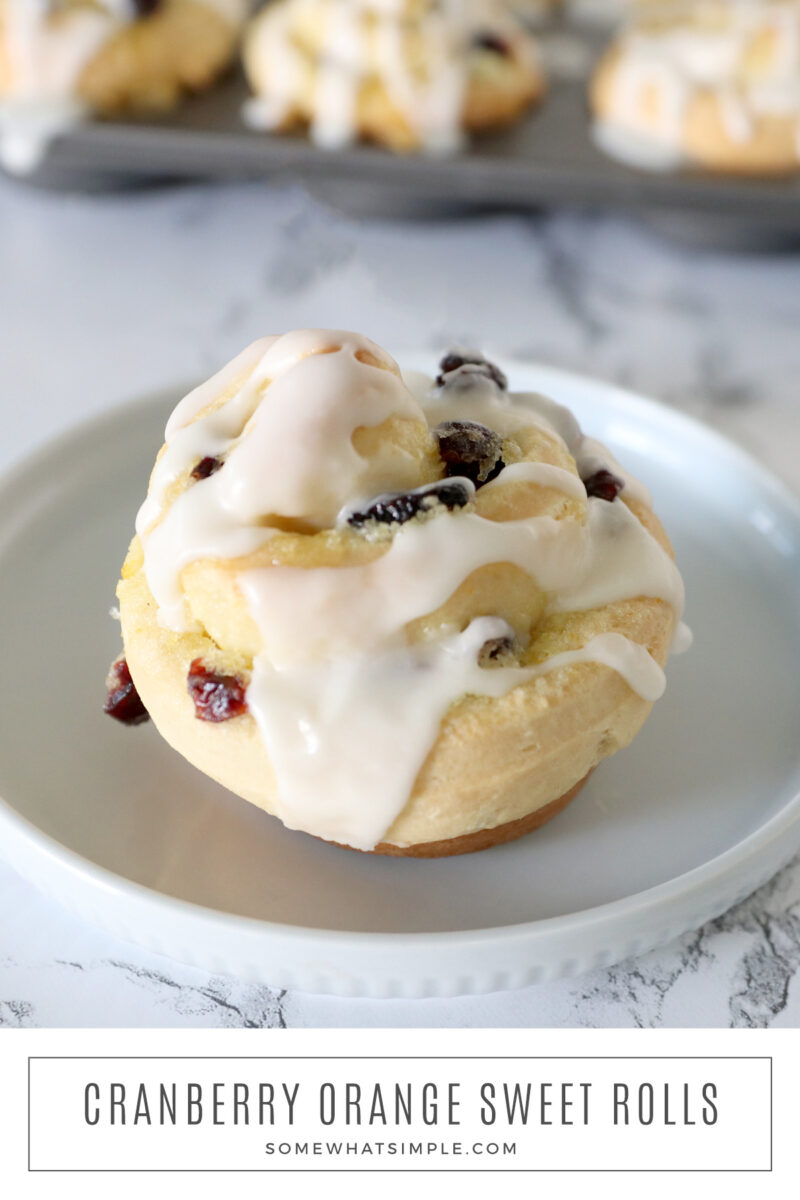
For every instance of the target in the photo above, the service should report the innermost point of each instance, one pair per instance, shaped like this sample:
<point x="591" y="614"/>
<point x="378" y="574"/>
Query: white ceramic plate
<point x="700" y="810"/>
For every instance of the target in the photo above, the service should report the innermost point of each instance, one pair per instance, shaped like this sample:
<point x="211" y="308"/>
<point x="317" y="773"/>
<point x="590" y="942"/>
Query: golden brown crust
<point x="481" y="839"/>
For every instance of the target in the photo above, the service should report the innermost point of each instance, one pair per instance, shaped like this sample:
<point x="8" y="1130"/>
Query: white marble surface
<point x="107" y="297"/>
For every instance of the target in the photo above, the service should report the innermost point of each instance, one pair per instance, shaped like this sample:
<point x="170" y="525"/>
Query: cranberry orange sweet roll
<point x="60" y="59"/>
<point x="406" y="616"/>
<point x="714" y="84"/>
<point x="410" y="74"/>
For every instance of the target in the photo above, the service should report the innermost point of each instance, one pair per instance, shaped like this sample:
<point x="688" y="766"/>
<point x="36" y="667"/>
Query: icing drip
<point x="706" y="47"/>
<point x="283" y="65"/>
<point x="433" y="109"/>
<point x="347" y="703"/>
<point x="47" y="51"/>
<point x="368" y="39"/>
<point x="335" y="101"/>
<point x="358" y="729"/>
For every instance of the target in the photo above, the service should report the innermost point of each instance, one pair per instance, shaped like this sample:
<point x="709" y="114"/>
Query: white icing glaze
<point x="338" y="76"/>
<point x="635" y="149"/>
<point x="330" y="612"/>
<point x="336" y="677"/>
<point x="28" y="128"/>
<point x="46" y="54"/>
<point x="368" y="37"/>
<point x="674" y="61"/>
<point x="620" y="560"/>
<point x="357" y="730"/>
<point x="303" y="397"/>
<point x="434" y="108"/>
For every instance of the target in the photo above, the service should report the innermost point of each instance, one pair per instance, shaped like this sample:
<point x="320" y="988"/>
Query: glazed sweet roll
<point x="408" y="616"/>
<point x="714" y="84"/>
<point x="409" y="74"/>
<point x="60" y="59"/>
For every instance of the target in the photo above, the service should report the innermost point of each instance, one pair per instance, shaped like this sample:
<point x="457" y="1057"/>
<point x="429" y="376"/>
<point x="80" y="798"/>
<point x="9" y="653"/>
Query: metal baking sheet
<point x="546" y="159"/>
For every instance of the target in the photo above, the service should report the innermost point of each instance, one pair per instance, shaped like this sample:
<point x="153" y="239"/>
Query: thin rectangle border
<point x="402" y="1058"/>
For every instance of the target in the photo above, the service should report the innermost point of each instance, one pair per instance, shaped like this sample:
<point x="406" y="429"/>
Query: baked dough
<point x="457" y="663"/>
<point x="409" y="74"/>
<point x="714" y="84"/>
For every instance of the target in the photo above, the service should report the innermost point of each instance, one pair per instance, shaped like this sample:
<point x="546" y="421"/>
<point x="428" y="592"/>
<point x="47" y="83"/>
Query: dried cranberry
<point x="397" y="509"/>
<point x="207" y="466"/>
<point x="123" y="702"/>
<point x="493" y="652"/>
<point x="492" y="43"/>
<point x="464" y="367"/>
<point x="469" y="449"/>
<point x="603" y="485"/>
<point x="216" y="697"/>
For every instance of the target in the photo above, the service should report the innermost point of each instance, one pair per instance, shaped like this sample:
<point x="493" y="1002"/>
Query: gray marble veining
<point x="107" y="297"/>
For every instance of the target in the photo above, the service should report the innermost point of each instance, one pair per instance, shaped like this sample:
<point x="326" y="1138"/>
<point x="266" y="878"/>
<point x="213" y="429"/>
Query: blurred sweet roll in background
<point x="409" y="74"/>
<point x="62" y="59"/>
<point x="711" y="83"/>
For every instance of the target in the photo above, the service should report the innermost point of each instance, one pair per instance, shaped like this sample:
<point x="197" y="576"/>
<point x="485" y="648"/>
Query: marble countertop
<point x="111" y="296"/>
